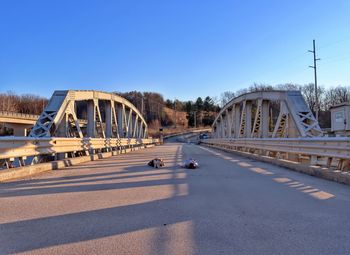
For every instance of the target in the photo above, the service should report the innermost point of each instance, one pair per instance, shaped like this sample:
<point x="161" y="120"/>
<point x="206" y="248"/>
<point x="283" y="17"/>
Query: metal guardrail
<point x="19" y="115"/>
<point x="17" y="148"/>
<point x="329" y="151"/>
<point x="194" y="130"/>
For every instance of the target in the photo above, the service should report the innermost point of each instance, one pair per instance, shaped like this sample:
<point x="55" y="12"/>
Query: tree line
<point x="150" y="105"/>
<point x="26" y="103"/>
<point x="199" y="112"/>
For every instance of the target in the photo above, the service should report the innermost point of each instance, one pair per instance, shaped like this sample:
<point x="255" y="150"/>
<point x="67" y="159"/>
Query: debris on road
<point x="156" y="163"/>
<point x="190" y="164"/>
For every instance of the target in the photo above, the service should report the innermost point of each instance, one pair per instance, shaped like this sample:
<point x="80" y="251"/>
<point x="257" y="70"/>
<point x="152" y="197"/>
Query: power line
<point x="335" y="42"/>
<point x="336" y="58"/>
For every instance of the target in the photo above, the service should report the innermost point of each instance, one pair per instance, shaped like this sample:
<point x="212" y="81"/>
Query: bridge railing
<point x="325" y="151"/>
<point x="19" y="115"/>
<point x="190" y="130"/>
<point x="15" y="151"/>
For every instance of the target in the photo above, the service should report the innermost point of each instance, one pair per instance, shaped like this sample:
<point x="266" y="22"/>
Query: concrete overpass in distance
<point x="19" y="122"/>
<point x="22" y="122"/>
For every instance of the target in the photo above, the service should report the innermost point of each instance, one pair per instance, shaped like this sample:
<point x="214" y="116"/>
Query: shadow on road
<point x="226" y="209"/>
<point x="89" y="225"/>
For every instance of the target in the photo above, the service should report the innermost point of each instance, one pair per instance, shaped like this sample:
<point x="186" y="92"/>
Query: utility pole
<point x="175" y="110"/>
<point x="315" y="73"/>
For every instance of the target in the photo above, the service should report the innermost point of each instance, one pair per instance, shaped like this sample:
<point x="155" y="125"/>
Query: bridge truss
<point x="78" y="123"/>
<point x="274" y="114"/>
<point x="277" y="124"/>
<point x="75" y="113"/>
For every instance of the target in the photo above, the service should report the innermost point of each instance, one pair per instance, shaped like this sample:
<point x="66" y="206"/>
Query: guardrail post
<point x="294" y="157"/>
<point x="344" y="164"/>
<point x="60" y="156"/>
<point x="313" y="160"/>
<point x="21" y="161"/>
<point x="329" y="162"/>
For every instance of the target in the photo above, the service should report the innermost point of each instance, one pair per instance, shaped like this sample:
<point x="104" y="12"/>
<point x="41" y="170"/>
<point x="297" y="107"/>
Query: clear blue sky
<point x="180" y="48"/>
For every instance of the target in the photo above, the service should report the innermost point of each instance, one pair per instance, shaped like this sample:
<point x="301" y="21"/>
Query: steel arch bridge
<point x="266" y="114"/>
<point x="87" y="113"/>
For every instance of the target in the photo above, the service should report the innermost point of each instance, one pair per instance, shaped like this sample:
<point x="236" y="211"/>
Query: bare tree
<point x="225" y="97"/>
<point x="337" y="95"/>
<point x="288" y="86"/>
<point x="260" y="87"/>
<point x="27" y="103"/>
<point x="308" y="91"/>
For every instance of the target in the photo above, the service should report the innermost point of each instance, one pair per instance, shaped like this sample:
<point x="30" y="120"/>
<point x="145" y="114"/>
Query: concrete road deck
<point x="119" y="205"/>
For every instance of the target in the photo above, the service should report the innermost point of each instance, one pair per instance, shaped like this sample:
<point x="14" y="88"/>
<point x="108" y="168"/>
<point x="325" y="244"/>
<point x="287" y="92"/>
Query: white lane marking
<point x="313" y="192"/>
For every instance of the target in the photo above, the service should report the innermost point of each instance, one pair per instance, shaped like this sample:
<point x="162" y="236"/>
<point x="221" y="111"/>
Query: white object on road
<point x="190" y="164"/>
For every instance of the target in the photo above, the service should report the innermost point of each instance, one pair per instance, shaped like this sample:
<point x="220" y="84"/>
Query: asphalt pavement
<point x="119" y="205"/>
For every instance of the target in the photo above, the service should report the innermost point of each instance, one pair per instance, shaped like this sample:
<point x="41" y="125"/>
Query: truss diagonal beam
<point x="118" y="118"/>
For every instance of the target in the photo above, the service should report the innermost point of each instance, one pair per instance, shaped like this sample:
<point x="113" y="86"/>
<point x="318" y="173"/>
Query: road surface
<point x="119" y="205"/>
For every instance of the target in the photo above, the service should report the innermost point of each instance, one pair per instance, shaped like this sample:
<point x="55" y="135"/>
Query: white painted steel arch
<point x="107" y="115"/>
<point x="249" y="116"/>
